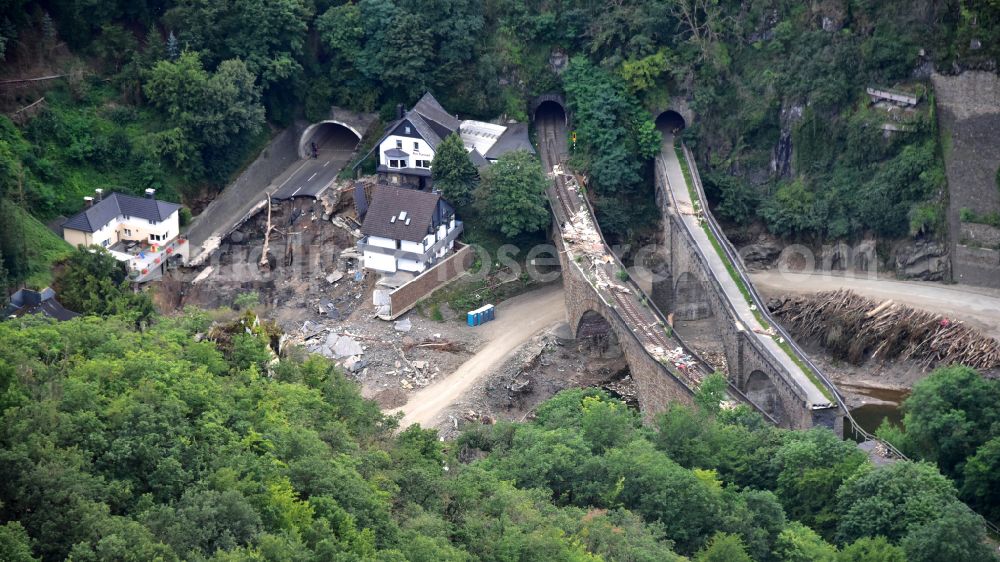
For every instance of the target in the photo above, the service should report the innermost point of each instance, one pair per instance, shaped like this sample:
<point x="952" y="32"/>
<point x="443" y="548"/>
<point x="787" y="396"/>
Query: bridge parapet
<point x="663" y="368"/>
<point x="775" y="377"/>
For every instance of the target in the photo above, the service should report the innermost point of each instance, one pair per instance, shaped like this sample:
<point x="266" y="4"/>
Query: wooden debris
<point x="855" y="329"/>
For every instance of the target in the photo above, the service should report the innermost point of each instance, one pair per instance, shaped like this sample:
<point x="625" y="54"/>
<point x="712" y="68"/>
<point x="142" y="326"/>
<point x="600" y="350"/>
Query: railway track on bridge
<point x="645" y="322"/>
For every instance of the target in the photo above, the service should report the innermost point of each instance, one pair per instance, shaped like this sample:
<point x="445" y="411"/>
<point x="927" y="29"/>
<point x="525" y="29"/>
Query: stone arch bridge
<point x="603" y="302"/>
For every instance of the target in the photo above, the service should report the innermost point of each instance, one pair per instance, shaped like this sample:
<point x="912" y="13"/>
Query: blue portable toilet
<point x="480" y="315"/>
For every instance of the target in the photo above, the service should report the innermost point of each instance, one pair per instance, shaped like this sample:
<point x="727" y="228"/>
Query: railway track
<point x="550" y="130"/>
<point x="566" y="204"/>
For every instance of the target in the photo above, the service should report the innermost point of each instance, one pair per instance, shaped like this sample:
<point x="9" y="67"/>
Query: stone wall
<point x="656" y="386"/>
<point x="745" y="354"/>
<point x="443" y="272"/>
<point x="968" y="108"/>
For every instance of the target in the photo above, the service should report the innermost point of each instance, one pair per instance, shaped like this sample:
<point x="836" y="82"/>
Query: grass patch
<point x="991" y="218"/>
<point x="43" y="247"/>
<point x="464" y="295"/>
<point x="741" y="285"/>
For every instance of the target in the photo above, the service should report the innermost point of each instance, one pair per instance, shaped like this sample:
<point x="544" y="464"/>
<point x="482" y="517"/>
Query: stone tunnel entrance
<point x="670" y="121"/>
<point x="762" y="392"/>
<point x="550" y="110"/>
<point x="330" y="137"/>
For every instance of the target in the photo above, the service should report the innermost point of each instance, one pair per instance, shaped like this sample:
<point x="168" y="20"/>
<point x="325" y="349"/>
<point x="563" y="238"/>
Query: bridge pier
<point x="662" y="285"/>
<point x="756" y="364"/>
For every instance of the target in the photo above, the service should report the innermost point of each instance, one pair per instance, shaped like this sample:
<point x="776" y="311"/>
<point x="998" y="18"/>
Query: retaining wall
<point x="968" y="109"/>
<point x="406" y="296"/>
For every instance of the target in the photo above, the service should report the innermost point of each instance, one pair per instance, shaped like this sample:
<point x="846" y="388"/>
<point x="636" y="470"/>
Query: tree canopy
<point x="511" y="196"/>
<point x="211" y="113"/>
<point x="120" y="444"/>
<point x="453" y="172"/>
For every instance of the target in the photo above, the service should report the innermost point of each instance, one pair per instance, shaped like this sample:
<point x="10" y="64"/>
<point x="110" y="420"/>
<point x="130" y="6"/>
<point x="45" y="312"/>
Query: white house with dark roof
<point x="407" y="149"/>
<point x="142" y="231"/>
<point x="406" y="230"/>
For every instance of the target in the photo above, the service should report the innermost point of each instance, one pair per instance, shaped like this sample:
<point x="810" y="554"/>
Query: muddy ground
<point x="551" y="362"/>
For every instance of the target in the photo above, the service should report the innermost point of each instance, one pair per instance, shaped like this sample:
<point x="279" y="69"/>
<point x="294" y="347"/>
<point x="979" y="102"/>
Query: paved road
<point x="678" y="188"/>
<point x="314" y="175"/>
<point x="305" y="177"/>
<point x="517" y="320"/>
<point x="979" y="307"/>
<point x="311" y="176"/>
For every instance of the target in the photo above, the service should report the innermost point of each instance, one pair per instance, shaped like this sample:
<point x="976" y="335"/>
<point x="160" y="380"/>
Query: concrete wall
<point x="443" y="272"/>
<point x="968" y="109"/>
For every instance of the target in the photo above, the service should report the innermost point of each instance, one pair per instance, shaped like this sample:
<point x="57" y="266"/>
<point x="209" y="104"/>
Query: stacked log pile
<point x="855" y="329"/>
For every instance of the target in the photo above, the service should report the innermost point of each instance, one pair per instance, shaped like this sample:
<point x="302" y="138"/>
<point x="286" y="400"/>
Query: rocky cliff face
<point x="968" y="108"/>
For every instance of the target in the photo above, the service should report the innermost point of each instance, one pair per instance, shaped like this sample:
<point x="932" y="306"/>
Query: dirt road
<point x="978" y="307"/>
<point x="517" y="320"/>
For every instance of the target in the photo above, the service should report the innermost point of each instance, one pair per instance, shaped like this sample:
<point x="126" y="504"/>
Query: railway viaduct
<point x="603" y="304"/>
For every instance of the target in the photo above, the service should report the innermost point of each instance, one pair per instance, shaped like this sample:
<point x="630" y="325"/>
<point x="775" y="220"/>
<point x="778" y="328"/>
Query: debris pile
<point x="683" y="362"/>
<point x="855" y="329"/>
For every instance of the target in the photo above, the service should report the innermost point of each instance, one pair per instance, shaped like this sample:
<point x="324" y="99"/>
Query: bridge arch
<point x="690" y="298"/>
<point x="760" y="389"/>
<point x="595" y="332"/>
<point x="330" y="134"/>
<point x="671" y="121"/>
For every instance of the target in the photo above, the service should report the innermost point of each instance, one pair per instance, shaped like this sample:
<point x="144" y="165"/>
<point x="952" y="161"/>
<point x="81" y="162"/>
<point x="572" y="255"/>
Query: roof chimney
<point x="399" y="111"/>
<point x="100" y="193"/>
<point x="88" y="202"/>
<point x="150" y="192"/>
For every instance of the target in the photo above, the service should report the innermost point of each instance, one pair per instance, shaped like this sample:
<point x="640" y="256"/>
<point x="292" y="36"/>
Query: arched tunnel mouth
<point x="670" y="122"/>
<point x="330" y="138"/>
<point x="550" y="110"/>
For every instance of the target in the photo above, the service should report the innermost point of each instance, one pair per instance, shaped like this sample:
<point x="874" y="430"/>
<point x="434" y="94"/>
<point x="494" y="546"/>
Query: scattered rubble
<point x="539" y="369"/>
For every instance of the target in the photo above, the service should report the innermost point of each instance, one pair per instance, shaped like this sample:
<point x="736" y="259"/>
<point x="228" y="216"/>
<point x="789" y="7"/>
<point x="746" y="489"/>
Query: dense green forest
<point x="188" y="441"/>
<point x="951" y="419"/>
<point x="177" y="95"/>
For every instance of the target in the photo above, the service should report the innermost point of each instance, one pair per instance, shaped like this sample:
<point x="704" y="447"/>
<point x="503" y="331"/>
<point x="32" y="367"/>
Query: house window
<point x="154" y="222"/>
<point x="397" y="163"/>
<point x="104" y="243"/>
<point x="423" y="163"/>
<point x="128" y="232"/>
<point x="416" y="146"/>
<point x="407" y="130"/>
<point x="399" y="144"/>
